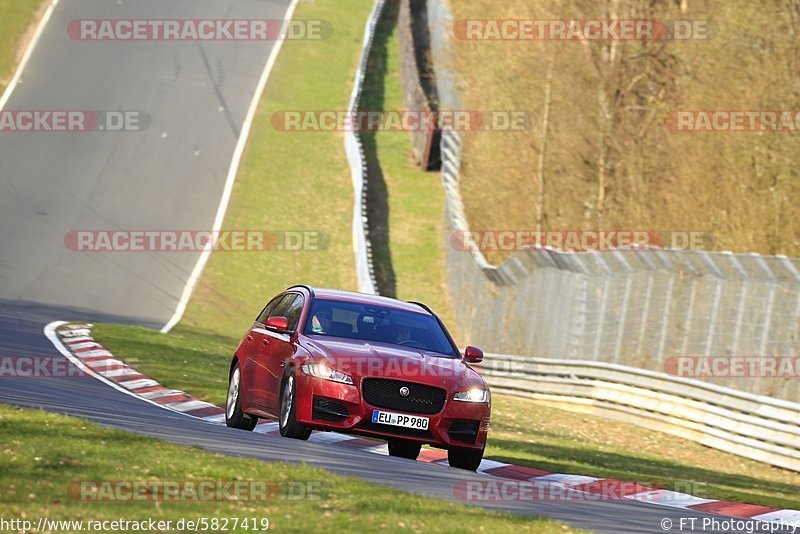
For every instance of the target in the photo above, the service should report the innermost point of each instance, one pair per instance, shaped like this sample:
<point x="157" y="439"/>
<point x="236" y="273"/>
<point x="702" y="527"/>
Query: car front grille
<point x="385" y="393"/>
<point x="329" y="410"/>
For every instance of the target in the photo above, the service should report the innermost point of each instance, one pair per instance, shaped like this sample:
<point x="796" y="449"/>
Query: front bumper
<point x="340" y="407"/>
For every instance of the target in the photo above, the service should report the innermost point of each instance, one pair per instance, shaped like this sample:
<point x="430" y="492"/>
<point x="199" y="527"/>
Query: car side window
<point x="267" y="311"/>
<point x="283" y="306"/>
<point x="294" y="311"/>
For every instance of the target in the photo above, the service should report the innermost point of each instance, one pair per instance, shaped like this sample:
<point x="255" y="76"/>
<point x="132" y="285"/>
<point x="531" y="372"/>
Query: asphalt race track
<point x="21" y="333"/>
<point x="197" y="96"/>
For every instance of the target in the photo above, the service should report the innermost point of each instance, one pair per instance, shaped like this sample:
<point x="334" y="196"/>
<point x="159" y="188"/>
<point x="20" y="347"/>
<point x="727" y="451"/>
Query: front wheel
<point x="288" y="424"/>
<point x="234" y="416"/>
<point x="404" y="449"/>
<point x="468" y="459"/>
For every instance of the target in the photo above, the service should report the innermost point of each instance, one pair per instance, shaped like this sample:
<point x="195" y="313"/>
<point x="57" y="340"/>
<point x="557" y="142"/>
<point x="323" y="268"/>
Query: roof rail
<point x="423" y="306"/>
<point x="308" y="288"/>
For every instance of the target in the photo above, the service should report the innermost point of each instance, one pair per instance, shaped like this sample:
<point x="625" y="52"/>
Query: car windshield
<point x="380" y="324"/>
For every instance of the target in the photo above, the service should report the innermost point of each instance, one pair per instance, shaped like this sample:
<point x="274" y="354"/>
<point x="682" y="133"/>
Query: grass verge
<point x="523" y="432"/>
<point x="296" y="181"/>
<point x="301" y="181"/>
<point x="17" y="18"/>
<point x="43" y="455"/>
<point x="413" y="199"/>
<point x="288" y="181"/>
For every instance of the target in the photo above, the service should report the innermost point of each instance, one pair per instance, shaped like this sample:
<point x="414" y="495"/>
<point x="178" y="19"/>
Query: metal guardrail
<point x="636" y="308"/>
<point x="603" y="310"/>
<point x="639" y="308"/>
<point x="365" y="273"/>
<point x="756" y="427"/>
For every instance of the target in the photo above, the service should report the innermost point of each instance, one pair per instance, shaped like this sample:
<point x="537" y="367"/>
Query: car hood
<point x="362" y="359"/>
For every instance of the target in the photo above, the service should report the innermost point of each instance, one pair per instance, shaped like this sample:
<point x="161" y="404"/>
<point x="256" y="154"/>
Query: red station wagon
<point x="320" y="359"/>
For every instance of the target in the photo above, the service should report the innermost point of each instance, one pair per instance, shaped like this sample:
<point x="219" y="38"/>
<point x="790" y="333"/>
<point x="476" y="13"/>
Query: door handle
<point x="249" y="337"/>
<point x="264" y="341"/>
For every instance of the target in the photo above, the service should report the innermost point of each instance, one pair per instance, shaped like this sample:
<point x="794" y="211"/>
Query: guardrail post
<point x="665" y="312"/>
<point x="579" y="322"/>
<point x="687" y="322"/>
<point x="768" y="308"/>
<point x="795" y="316"/>
<point x="714" y="311"/>
<point x="601" y="314"/>
<point x="743" y="283"/>
<point x="646" y="258"/>
<point x="623" y="313"/>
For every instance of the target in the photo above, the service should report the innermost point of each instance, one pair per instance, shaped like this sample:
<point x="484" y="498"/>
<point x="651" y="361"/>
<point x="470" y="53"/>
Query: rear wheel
<point x="404" y="449"/>
<point x="234" y="416"/>
<point x="288" y="424"/>
<point x="468" y="459"/>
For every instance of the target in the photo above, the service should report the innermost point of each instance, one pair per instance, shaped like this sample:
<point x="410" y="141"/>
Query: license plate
<point x="399" y="419"/>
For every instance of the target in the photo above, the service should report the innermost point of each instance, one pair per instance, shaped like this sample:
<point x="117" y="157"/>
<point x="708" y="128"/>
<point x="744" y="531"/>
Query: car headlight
<point x="472" y="395"/>
<point x="321" y="370"/>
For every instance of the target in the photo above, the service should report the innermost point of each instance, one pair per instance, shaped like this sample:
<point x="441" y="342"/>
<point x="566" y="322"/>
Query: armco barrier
<point x="615" y="315"/>
<point x="424" y="142"/>
<point x="636" y="308"/>
<point x="358" y="167"/>
<point x="756" y="427"/>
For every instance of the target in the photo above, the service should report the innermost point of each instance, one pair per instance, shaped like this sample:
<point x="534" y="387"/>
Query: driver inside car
<point x="402" y="333"/>
<point x="321" y="321"/>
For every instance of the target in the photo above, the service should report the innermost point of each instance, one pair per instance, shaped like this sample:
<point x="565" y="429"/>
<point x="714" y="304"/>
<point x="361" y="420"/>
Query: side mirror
<point x="278" y="323"/>
<point x="473" y="354"/>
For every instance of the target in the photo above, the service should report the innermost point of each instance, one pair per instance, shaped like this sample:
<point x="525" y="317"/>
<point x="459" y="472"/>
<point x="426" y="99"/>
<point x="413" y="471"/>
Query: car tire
<point x="468" y="459"/>
<point x="404" y="449"/>
<point x="234" y="416"/>
<point x="287" y="423"/>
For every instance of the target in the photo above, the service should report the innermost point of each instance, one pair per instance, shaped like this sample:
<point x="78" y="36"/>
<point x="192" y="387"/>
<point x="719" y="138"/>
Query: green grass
<point x="414" y="198"/>
<point x="195" y="356"/>
<point x="301" y="181"/>
<point x="196" y="360"/>
<point x="291" y="180"/>
<point x="523" y="432"/>
<point x="287" y="182"/>
<point x="16" y="16"/>
<point x="42" y="455"/>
